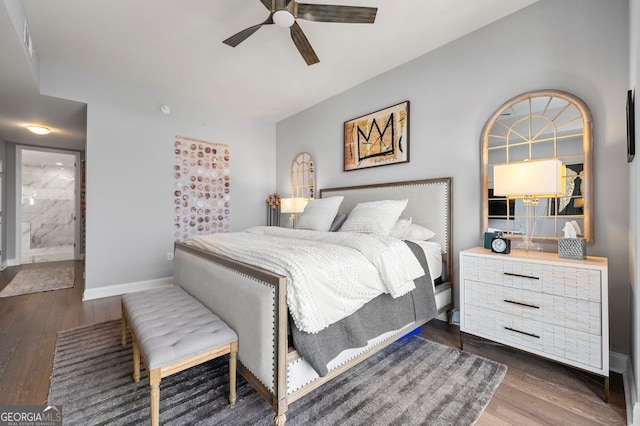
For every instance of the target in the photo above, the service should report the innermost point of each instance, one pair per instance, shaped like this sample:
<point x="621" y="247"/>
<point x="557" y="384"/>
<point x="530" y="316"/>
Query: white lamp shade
<point x="539" y="178"/>
<point x="293" y="205"/>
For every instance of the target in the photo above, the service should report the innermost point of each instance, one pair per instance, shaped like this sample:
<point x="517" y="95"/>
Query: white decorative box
<point x="572" y="248"/>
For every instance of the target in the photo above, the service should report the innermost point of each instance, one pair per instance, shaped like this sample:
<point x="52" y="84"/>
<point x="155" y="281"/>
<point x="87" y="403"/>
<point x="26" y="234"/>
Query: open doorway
<point x="48" y="204"/>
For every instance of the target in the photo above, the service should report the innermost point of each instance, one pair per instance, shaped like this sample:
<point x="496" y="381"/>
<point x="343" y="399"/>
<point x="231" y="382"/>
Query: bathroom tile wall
<point x="48" y="209"/>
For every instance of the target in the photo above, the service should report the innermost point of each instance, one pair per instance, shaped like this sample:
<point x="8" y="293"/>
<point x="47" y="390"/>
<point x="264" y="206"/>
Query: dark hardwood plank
<point x="42" y="362"/>
<point x="18" y="368"/>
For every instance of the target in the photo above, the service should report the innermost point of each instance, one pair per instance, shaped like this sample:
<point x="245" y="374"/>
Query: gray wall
<point x="634" y="205"/>
<point x="3" y="203"/>
<point x="580" y="46"/>
<point x="129" y="163"/>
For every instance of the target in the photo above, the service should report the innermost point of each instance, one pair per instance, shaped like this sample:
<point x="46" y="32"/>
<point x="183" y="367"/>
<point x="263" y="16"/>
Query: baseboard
<point x="14" y="262"/>
<point x="118" y="289"/>
<point x="619" y="363"/>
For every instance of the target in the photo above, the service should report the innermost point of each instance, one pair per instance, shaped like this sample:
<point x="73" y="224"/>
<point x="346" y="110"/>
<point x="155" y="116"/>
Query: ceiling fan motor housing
<point x="283" y="18"/>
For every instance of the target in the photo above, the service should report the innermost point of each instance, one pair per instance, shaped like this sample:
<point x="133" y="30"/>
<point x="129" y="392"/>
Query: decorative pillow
<point x="337" y="222"/>
<point x="400" y="228"/>
<point x="318" y="214"/>
<point x="418" y="233"/>
<point x="375" y="217"/>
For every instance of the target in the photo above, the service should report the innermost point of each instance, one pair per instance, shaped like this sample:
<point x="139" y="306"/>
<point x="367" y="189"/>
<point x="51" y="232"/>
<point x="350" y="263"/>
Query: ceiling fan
<point x="285" y="12"/>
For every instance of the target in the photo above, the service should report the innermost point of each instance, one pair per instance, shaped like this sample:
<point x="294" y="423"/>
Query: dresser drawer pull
<point x="521" y="276"/>
<point x="522" y="332"/>
<point x="522" y="304"/>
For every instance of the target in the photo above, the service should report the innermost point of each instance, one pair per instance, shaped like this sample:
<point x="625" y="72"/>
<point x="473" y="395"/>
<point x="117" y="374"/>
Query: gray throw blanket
<point x="380" y="315"/>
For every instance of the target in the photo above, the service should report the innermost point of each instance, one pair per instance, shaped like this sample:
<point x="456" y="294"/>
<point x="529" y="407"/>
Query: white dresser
<point x="537" y="302"/>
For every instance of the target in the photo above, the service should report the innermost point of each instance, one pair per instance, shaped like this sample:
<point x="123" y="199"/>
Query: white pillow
<point x="375" y="217"/>
<point x="418" y="233"/>
<point x="400" y="228"/>
<point x="318" y="214"/>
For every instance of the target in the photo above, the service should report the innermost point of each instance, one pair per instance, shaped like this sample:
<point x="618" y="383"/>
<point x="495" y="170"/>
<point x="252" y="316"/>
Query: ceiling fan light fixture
<point x="38" y="129"/>
<point x="283" y="18"/>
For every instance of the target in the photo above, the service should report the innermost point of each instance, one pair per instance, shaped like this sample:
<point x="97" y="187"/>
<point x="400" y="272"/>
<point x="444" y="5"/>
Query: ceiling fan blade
<point x="267" y="4"/>
<point x="238" y="38"/>
<point x="333" y="13"/>
<point x="303" y="45"/>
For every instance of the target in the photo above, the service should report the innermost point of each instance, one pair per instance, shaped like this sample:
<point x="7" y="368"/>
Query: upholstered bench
<point x="173" y="332"/>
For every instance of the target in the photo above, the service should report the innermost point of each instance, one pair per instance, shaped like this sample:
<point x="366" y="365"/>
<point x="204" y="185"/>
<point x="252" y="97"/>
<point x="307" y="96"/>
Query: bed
<point x="253" y="300"/>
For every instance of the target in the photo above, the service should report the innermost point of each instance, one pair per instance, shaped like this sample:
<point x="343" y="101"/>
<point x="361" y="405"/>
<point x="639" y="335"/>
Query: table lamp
<point x="293" y="206"/>
<point x="529" y="180"/>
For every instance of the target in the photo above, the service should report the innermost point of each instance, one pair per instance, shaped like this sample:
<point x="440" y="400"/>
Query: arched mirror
<point x="540" y="125"/>
<point x="303" y="180"/>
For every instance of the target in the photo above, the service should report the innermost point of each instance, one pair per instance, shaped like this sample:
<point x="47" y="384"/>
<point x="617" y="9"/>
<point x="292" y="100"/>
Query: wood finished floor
<point x="533" y="392"/>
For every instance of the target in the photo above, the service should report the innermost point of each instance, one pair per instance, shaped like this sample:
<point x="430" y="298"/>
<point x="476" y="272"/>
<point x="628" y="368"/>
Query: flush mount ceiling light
<point x="38" y="129"/>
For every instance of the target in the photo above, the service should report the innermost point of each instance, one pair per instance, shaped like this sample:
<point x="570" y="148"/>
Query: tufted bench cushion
<point x="172" y="331"/>
<point x="170" y="325"/>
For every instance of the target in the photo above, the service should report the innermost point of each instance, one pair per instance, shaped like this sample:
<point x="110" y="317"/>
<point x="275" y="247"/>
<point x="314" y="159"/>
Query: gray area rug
<point x="411" y="382"/>
<point x="39" y="279"/>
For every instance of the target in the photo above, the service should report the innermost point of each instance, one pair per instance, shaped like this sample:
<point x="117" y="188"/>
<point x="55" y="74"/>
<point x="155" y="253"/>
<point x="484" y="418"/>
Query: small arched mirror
<point x="540" y="125"/>
<point x="303" y="180"/>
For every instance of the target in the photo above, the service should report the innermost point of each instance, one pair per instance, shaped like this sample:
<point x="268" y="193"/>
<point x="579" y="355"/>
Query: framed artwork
<point x="631" y="131"/>
<point x="377" y="139"/>
<point x="201" y="194"/>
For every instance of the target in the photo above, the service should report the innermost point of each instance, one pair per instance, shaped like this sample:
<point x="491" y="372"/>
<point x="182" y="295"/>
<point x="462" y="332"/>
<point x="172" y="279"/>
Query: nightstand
<point x="539" y="303"/>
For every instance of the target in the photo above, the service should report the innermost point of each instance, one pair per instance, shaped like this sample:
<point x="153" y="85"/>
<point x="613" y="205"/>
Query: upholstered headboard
<point x="429" y="205"/>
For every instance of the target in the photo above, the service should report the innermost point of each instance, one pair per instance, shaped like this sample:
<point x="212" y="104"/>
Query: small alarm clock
<point x="500" y="245"/>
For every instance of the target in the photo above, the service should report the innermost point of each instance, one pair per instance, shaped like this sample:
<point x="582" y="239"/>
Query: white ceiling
<point x="175" y="48"/>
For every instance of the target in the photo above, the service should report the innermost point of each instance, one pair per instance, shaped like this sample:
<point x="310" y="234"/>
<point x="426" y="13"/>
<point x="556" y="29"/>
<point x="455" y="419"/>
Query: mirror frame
<point x="303" y="176"/>
<point x="587" y="146"/>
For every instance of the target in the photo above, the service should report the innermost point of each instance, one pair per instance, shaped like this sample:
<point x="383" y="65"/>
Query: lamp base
<point x="529" y="245"/>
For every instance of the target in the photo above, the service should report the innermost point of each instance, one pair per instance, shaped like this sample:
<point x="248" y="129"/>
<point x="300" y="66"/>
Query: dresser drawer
<point x="527" y="333"/>
<point x="576" y="314"/>
<point x="560" y="280"/>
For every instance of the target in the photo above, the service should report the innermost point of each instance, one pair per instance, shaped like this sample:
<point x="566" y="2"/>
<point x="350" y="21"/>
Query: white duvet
<point x="330" y="274"/>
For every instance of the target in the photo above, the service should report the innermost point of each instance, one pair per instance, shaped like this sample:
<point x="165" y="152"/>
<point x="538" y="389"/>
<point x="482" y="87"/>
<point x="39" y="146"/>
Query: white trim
<point x="18" y="210"/>
<point x="77" y="212"/>
<point x="620" y="363"/>
<point x="76" y="195"/>
<point x="630" y="395"/>
<point x="118" y="289"/>
<point x="13" y="262"/>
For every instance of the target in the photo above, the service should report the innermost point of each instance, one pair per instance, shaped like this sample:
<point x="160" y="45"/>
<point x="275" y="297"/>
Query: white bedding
<point x="433" y="253"/>
<point x="331" y="274"/>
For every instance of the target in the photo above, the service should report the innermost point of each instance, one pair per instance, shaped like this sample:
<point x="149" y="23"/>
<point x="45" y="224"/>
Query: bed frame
<point x="252" y="300"/>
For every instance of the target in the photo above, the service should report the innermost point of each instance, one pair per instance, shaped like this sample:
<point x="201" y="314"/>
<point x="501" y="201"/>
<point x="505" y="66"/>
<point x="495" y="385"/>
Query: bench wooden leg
<point x="233" y="356"/>
<point x="280" y="420"/>
<point x="124" y="330"/>
<point x="154" y="383"/>
<point x="136" y="361"/>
